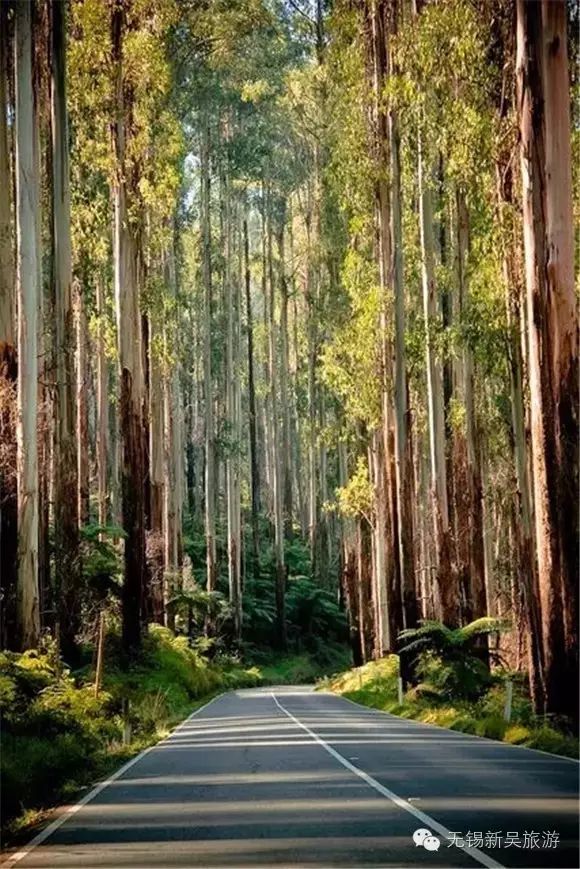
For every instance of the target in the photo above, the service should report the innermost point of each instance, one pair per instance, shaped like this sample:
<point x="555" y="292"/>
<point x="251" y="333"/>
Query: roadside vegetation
<point x="455" y="688"/>
<point x="269" y="387"/>
<point x="59" y="736"/>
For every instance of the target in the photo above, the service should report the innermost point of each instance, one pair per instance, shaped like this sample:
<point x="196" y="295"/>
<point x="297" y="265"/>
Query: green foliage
<point x="101" y="559"/>
<point x="313" y="611"/>
<point x="375" y="685"/>
<point x="56" y="734"/>
<point x="449" y="662"/>
<point x="302" y="668"/>
<point x="356" y="498"/>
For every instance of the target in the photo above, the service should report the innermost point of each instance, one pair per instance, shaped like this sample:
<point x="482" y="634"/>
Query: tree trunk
<point x="365" y="596"/>
<point x="382" y="573"/>
<point x="102" y="407"/>
<point x="280" y="576"/>
<point x="525" y="553"/>
<point x="562" y="326"/>
<point x="27" y="202"/>
<point x="542" y="78"/>
<point x="173" y="482"/>
<point x="82" y="388"/>
<point x="254" y="465"/>
<point x="284" y="369"/>
<point x="448" y="595"/>
<point x="8" y="368"/>
<point x="310" y="300"/>
<point x="155" y="541"/>
<point x="232" y="389"/>
<point x="348" y="575"/>
<point x="129" y="337"/>
<point x="66" y="517"/>
<point x="476" y="563"/>
<point x="210" y="461"/>
<point x="403" y="445"/>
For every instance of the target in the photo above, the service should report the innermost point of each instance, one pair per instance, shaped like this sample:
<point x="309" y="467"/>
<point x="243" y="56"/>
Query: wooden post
<point x="126" y="722"/>
<point x="100" y="650"/>
<point x="509" y="690"/>
<point x="400" y="697"/>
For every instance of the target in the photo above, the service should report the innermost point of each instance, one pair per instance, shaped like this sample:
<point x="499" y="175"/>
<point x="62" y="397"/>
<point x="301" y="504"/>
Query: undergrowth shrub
<point x="438" y="699"/>
<point x="57" y="734"/>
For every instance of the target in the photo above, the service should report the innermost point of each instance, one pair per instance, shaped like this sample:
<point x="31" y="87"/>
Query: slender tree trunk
<point x="41" y="48"/>
<point x="129" y="337"/>
<point x="254" y="465"/>
<point x="232" y="389"/>
<point x="284" y="369"/>
<point x="448" y="594"/>
<point x="155" y="543"/>
<point x="27" y="202"/>
<point x="8" y="367"/>
<point x="310" y="300"/>
<point x="173" y="482"/>
<point x="477" y="596"/>
<point x="295" y="421"/>
<point x="66" y="516"/>
<point x="364" y="576"/>
<point x="82" y="389"/>
<point x="280" y="577"/>
<point x="210" y="456"/>
<point x="102" y="407"/>
<point x="382" y="574"/>
<point x="403" y="444"/>
<point x="348" y="564"/>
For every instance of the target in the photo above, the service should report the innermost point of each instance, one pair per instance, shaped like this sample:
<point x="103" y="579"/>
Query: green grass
<point x="375" y="685"/>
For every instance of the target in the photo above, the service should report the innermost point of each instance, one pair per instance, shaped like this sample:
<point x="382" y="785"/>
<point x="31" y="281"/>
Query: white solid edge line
<point x="72" y="810"/>
<point x="475" y="853"/>
<point x="485" y="739"/>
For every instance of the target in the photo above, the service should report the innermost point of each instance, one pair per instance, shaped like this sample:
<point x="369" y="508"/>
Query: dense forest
<point x="288" y="333"/>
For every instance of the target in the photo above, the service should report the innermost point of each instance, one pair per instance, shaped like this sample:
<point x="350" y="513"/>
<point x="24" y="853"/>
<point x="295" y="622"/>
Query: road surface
<point x="289" y="777"/>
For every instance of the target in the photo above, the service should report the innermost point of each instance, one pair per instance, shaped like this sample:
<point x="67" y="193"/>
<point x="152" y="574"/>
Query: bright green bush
<point x="493" y="702"/>
<point x="492" y="726"/>
<point x="450" y="661"/>
<point x="517" y="734"/>
<point x="375" y="685"/>
<point x="56" y="734"/>
<point x="545" y="738"/>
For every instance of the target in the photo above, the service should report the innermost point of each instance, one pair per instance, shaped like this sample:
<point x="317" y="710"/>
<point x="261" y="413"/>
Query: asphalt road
<point x="288" y="777"/>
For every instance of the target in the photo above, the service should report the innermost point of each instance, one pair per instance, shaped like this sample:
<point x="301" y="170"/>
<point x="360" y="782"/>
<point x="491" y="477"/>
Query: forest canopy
<point x="288" y="330"/>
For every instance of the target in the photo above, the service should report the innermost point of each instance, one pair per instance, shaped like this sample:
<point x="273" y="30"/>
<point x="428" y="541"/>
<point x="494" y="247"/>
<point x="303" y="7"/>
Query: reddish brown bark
<point x="363" y="559"/>
<point x="542" y="78"/>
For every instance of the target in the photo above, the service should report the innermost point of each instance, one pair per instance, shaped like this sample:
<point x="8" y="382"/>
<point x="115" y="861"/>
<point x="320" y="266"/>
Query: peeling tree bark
<point x="542" y="78"/>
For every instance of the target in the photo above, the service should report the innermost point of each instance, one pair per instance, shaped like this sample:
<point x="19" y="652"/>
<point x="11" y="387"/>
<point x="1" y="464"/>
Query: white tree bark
<point x="27" y="203"/>
<point x="102" y="408"/>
